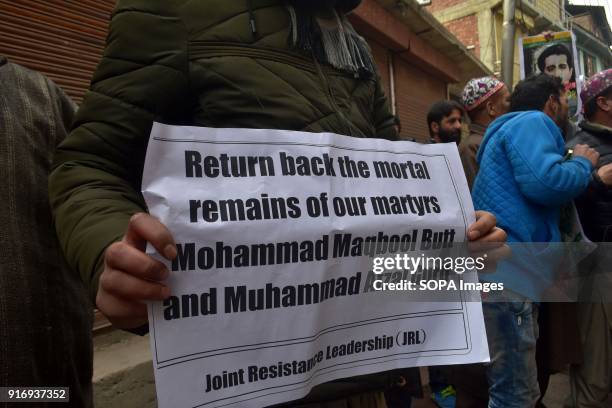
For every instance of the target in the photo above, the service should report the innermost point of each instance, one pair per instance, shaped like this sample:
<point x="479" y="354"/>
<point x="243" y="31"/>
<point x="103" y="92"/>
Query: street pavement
<point x="557" y="392"/>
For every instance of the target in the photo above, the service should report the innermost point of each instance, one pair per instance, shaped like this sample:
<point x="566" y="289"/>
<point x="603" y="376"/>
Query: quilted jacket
<point x="595" y="206"/>
<point x="523" y="177"/>
<point x="194" y="63"/>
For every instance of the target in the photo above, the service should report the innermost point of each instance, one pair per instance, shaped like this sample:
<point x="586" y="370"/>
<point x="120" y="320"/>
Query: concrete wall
<point x="551" y="9"/>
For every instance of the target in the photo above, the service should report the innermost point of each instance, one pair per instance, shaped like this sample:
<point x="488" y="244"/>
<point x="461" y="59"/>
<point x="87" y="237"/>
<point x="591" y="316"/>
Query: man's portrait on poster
<point x="553" y="54"/>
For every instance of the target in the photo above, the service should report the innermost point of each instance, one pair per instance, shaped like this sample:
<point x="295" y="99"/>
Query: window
<point x="590" y="66"/>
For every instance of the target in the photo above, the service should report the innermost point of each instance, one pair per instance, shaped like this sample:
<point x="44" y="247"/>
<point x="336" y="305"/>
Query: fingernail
<point x="170" y="251"/>
<point x="473" y="234"/>
<point x="164" y="273"/>
<point x="165" y="292"/>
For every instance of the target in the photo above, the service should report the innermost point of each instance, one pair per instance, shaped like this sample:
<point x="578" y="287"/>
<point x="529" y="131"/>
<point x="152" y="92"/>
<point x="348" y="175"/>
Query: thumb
<point x="144" y="228"/>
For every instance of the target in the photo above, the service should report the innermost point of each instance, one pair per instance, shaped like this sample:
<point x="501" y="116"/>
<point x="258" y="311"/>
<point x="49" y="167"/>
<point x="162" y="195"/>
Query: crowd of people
<point x="95" y="224"/>
<point x="516" y="163"/>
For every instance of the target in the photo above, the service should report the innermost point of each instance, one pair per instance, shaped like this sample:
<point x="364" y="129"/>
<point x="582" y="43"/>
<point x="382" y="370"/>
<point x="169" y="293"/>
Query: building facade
<point x="64" y="40"/>
<point x="590" y="23"/>
<point x="478" y="24"/>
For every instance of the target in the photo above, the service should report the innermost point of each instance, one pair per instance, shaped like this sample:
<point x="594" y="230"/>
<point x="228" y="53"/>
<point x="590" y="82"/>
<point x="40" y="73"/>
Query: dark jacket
<point x="468" y="149"/>
<point x="197" y="63"/>
<point x="45" y="314"/>
<point x="595" y="205"/>
<point x="191" y="63"/>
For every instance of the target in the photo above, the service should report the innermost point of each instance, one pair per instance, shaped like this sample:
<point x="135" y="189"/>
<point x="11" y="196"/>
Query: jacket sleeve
<point x="95" y="181"/>
<point x="596" y="185"/>
<point x="468" y="153"/>
<point x="542" y="174"/>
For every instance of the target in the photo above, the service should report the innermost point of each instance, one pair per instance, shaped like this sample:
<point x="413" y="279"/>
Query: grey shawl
<point x="45" y="315"/>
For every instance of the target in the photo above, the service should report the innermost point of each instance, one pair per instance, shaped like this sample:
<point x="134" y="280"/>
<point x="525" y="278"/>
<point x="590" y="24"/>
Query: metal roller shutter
<point x="415" y="92"/>
<point x="381" y="58"/>
<point x="63" y="39"/>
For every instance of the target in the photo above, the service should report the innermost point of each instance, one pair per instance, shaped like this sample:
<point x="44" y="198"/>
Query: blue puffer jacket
<point x="523" y="177"/>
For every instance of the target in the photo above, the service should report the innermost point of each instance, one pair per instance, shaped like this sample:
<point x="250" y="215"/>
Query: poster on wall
<point x="553" y="54"/>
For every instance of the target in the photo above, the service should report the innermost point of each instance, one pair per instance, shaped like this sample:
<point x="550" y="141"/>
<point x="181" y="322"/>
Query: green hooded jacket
<point x="196" y="63"/>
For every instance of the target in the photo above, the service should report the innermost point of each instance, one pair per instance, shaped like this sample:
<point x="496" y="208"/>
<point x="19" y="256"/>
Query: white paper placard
<point x="272" y="289"/>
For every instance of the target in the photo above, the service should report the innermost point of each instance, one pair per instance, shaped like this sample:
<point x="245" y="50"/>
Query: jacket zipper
<point x="205" y="49"/>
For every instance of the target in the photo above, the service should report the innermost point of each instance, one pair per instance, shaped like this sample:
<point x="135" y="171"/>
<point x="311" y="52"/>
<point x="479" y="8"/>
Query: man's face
<point x="449" y="129"/>
<point x="501" y="103"/>
<point x="557" y="65"/>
